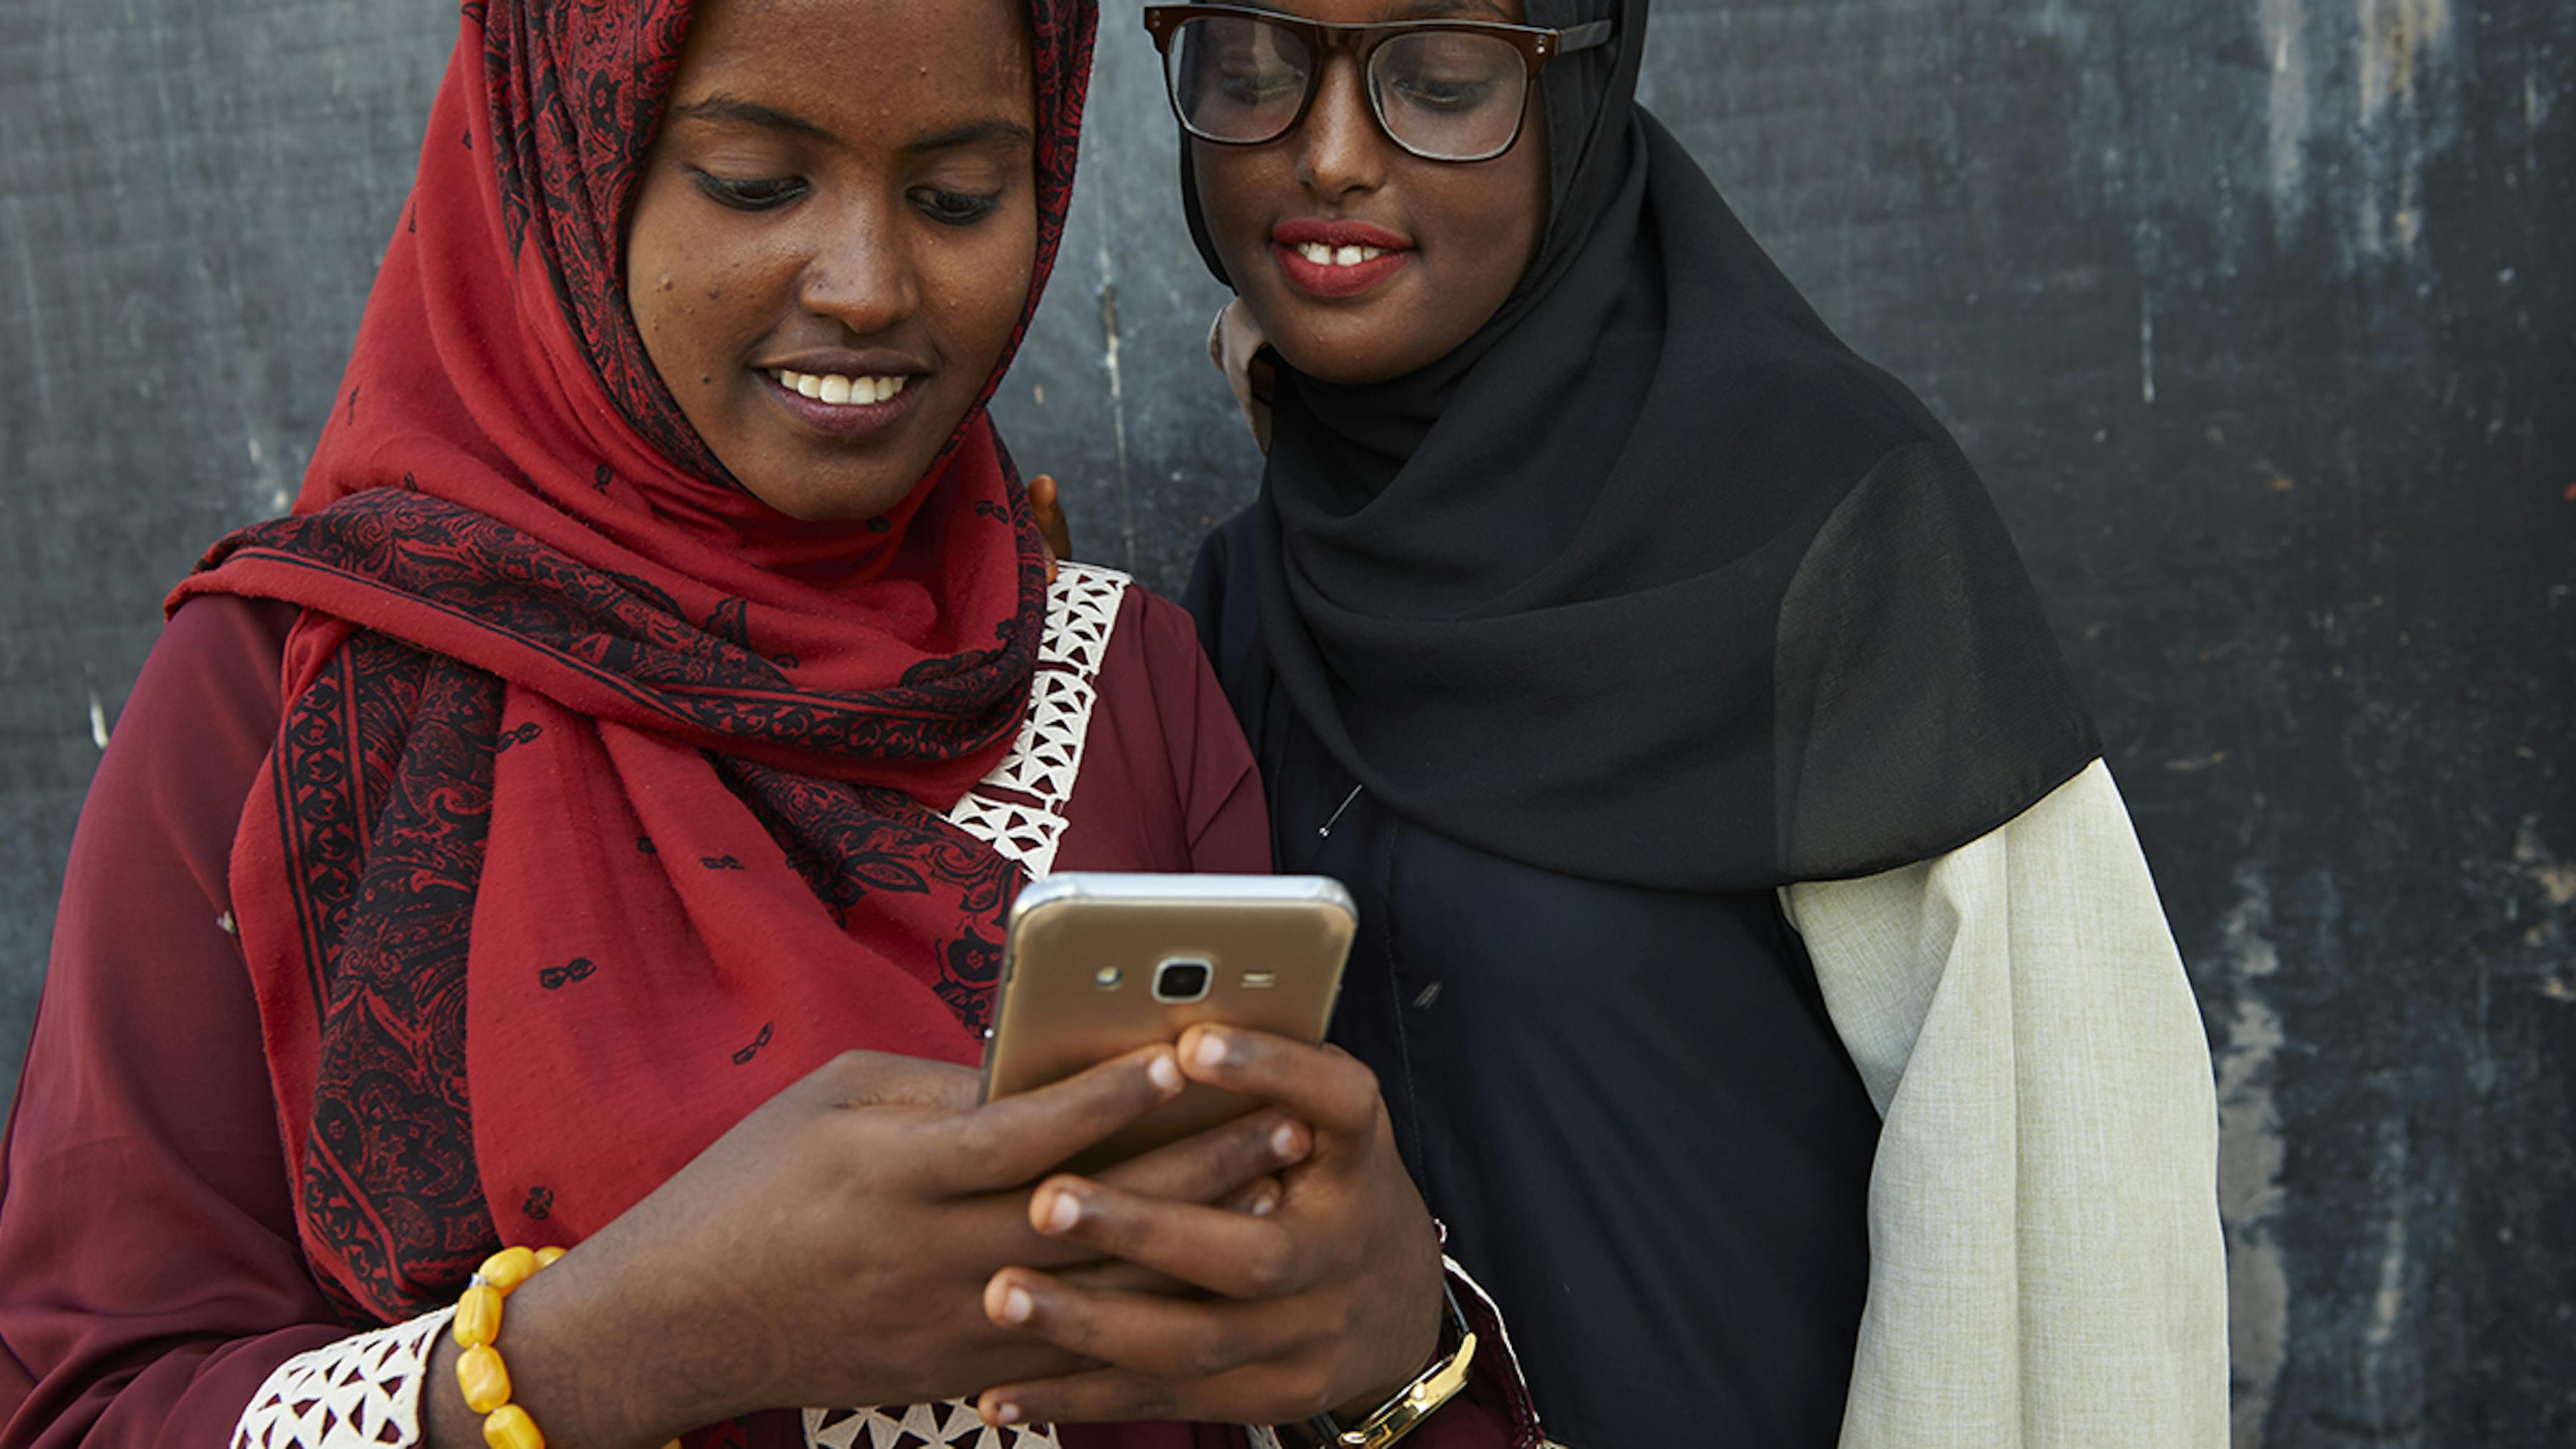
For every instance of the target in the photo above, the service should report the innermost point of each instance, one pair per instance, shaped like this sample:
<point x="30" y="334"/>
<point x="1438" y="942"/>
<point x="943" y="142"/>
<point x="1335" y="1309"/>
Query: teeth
<point x="841" y="391"/>
<point x="1328" y="256"/>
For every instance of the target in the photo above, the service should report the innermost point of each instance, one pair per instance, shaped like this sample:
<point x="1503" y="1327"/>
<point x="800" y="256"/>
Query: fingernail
<point x="1017" y="1305"/>
<point x="1164" y="1072"/>
<point x="1265" y="1203"/>
<point x="1288" y="1143"/>
<point x="1006" y="1414"/>
<point x="1210" y="1052"/>
<point x="1063" y="1213"/>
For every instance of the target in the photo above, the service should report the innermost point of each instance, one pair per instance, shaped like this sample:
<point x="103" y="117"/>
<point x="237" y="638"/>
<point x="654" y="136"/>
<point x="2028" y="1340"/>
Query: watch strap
<point x="1436" y="1385"/>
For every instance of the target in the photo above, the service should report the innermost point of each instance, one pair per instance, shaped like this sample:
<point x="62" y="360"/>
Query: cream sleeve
<point x="2046" y="1268"/>
<point x="1232" y="339"/>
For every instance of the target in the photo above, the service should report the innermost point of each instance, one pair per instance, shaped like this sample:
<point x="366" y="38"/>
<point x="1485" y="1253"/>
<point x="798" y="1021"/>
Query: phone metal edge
<point x="1185" y="888"/>
<point x="1075" y="885"/>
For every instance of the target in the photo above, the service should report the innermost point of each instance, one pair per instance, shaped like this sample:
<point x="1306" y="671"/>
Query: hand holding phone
<point x="1099" y="964"/>
<point x="1332" y="1298"/>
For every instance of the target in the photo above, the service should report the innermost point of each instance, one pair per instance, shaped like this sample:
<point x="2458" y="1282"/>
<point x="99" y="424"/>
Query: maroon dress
<point x="150" y="1275"/>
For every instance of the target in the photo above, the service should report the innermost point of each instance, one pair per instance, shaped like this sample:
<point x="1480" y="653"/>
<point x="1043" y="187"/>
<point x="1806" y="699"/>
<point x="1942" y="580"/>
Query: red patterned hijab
<point x="607" y="802"/>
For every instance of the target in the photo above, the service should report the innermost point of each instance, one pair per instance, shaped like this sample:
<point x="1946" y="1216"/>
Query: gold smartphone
<point x="1099" y="963"/>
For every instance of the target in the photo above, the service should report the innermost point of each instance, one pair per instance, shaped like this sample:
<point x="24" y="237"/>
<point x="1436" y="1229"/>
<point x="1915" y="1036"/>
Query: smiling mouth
<point x="1332" y="256"/>
<point x="845" y="406"/>
<point x="835" y="390"/>
<point x="1338" y="272"/>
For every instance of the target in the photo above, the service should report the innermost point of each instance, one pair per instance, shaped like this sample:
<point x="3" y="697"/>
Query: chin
<point x="1346" y="355"/>
<point x="807" y="504"/>
<point x="1341" y="364"/>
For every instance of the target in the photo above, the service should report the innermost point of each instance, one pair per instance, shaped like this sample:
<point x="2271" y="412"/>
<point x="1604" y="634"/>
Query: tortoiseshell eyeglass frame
<point x="1537" y="45"/>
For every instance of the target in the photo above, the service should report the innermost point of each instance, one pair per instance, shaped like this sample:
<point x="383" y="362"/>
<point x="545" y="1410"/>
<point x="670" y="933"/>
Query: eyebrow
<point x="723" y="108"/>
<point x="974" y="133"/>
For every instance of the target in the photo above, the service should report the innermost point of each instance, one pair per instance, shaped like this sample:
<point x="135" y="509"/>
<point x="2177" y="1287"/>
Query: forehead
<point x="872" y="60"/>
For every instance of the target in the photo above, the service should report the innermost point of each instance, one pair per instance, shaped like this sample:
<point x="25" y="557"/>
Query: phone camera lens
<point x="1181" y="980"/>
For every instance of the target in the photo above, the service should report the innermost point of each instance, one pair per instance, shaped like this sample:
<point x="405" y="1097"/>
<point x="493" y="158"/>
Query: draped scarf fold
<point x="606" y="801"/>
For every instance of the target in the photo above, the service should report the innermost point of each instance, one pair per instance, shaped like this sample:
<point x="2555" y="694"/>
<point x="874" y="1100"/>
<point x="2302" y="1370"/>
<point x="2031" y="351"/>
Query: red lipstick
<point x="1330" y="280"/>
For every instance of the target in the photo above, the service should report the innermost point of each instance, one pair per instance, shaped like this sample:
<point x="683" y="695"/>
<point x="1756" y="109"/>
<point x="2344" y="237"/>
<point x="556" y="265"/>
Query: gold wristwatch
<point x="1397" y="1417"/>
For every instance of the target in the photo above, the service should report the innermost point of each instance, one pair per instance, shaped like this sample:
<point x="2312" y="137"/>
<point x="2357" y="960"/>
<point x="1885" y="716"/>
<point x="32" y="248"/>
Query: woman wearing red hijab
<point x="589" y="821"/>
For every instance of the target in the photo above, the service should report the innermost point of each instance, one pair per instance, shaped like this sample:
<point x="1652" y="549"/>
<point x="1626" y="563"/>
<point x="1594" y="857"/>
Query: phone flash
<point x="1258" y="980"/>
<point x="1108" y="977"/>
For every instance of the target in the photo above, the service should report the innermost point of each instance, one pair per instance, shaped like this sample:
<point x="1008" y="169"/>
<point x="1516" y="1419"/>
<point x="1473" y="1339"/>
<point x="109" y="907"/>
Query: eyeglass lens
<point x="1443" y="95"/>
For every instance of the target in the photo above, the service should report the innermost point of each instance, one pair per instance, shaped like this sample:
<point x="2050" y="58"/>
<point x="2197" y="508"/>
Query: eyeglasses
<point x="1444" y="90"/>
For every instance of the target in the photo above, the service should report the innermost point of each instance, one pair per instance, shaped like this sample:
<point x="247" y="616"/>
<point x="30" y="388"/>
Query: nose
<point x="860" y="271"/>
<point x="1340" y="150"/>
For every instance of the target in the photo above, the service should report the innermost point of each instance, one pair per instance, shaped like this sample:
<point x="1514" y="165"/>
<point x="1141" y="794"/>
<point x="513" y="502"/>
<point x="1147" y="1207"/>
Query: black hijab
<point x="1653" y="580"/>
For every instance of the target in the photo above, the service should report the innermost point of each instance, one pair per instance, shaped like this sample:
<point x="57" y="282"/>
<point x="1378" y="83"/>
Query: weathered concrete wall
<point x="2260" y="315"/>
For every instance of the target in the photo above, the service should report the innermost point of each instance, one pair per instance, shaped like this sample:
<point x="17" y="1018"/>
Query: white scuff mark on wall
<point x="36" y="364"/>
<point x="2555" y="877"/>
<point x="1117" y="400"/>
<point x="2399" y="39"/>
<point x="2285" y="35"/>
<point x="2062" y="19"/>
<point x="2147" y="350"/>
<point x="2398" y="46"/>
<point x="2250" y="1156"/>
<point x="2379" y="1335"/>
<point x="97" y="720"/>
<point x="2363" y="98"/>
<point x="273" y="474"/>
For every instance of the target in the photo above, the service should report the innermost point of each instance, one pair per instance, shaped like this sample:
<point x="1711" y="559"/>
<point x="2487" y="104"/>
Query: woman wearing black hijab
<point x="1765" y="980"/>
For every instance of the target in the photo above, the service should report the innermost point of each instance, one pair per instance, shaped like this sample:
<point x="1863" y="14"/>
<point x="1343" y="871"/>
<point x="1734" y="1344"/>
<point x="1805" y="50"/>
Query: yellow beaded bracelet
<point x="480" y="1374"/>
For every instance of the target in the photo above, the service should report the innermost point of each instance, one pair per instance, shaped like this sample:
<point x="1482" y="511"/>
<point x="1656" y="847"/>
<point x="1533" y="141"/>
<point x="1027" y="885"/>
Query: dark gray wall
<point x="2260" y="316"/>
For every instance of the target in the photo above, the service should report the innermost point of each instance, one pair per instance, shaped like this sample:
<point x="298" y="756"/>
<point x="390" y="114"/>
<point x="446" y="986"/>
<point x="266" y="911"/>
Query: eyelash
<point x="759" y="195"/>
<point x="954" y="208"/>
<point x="948" y="208"/>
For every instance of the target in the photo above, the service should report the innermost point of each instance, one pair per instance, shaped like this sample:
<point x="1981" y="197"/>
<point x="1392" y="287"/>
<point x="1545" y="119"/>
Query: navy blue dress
<point x="1627" y="1104"/>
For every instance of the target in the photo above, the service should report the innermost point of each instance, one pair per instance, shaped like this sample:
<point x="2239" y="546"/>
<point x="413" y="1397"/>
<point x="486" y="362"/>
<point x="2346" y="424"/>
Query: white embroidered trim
<point x="923" y="1426"/>
<point x="1019" y="807"/>
<point x="364" y="1393"/>
<point x="361" y="1391"/>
